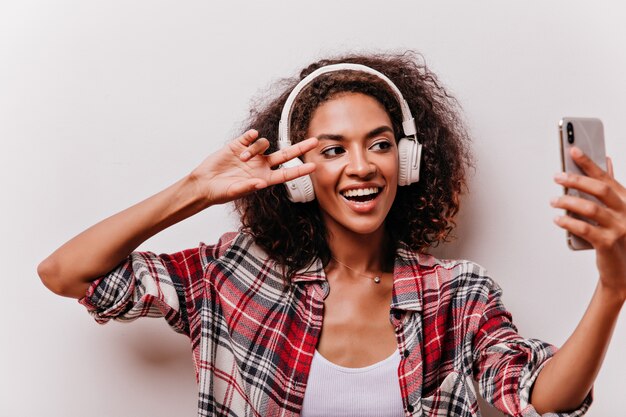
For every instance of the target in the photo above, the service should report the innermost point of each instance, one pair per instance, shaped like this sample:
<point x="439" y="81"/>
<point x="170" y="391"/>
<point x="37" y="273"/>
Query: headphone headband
<point x="408" y="122"/>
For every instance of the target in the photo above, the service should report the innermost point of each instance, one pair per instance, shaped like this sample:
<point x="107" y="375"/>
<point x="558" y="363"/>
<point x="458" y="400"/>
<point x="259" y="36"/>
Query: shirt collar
<point x="311" y="273"/>
<point x="407" y="289"/>
<point x="407" y="280"/>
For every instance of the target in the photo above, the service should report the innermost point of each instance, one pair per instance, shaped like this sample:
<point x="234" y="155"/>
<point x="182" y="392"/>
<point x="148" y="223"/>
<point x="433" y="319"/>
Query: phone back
<point x="588" y="135"/>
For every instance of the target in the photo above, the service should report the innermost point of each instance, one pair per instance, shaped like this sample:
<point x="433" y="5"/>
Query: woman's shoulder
<point x="435" y="271"/>
<point x="229" y="243"/>
<point x="237" y="254"/>
<point x="459" y="266"/>
<point x="428" y="263"/>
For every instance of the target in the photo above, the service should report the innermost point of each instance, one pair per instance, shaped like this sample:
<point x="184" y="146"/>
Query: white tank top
<point x="334" y="390"/>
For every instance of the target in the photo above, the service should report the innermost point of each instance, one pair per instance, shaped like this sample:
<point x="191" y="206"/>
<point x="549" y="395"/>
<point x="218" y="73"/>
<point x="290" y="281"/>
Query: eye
<point x="333" y="151"/>
<point x="382" y="145"/>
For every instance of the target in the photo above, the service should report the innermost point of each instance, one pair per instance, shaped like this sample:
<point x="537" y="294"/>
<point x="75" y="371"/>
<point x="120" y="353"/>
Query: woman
<point x="332" y="306"/>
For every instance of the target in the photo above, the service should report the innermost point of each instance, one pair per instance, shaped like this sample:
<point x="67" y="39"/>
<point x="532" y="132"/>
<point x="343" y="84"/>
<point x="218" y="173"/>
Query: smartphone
<point x="588" y="135"/>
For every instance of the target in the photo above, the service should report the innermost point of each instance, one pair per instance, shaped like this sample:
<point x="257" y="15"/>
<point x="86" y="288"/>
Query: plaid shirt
<point x="253" y="338"/>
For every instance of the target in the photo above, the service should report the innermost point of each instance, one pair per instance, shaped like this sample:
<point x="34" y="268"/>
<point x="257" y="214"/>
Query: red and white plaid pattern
<point x="253" y="338"/>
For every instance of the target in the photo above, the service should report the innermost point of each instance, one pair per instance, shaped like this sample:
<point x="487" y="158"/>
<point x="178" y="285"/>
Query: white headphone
<point x="300" y="190"/>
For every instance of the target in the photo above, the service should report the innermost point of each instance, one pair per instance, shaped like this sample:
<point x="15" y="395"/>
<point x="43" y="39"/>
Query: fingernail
<point x="554" y="201"/>
<point x="560" y="176"/>
<point x="244" y="155"/>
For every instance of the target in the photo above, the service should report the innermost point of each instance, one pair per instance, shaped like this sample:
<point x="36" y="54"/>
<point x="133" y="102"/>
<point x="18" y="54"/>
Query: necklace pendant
<point x="377" y="280"/>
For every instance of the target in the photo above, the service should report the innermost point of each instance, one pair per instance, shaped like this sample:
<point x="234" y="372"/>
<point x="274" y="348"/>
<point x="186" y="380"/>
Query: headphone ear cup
<point x="299" y="190"/>
<point x="409" y="155"/>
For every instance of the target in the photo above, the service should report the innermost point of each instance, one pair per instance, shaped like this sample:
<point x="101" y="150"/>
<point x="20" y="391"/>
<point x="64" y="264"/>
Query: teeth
<point x="360" y="192"/>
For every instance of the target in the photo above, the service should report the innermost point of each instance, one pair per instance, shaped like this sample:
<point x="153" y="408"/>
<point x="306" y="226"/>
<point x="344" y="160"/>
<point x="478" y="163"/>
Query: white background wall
<point x="104" y="103"/>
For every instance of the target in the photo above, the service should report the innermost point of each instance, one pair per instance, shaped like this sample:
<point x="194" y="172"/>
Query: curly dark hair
<point x="422" y="215"/>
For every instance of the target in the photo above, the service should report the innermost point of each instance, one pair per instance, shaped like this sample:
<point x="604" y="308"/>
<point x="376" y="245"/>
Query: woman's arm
<point x="567" y="378"/>
<point x="235" y="170"/>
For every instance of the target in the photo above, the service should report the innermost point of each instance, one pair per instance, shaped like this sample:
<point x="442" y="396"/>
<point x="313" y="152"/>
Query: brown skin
<point x="357" y="331"/>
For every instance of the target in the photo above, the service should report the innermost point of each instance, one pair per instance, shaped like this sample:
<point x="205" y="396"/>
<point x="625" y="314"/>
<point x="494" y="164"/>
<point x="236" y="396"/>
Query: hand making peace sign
<point x="240" y="167"/>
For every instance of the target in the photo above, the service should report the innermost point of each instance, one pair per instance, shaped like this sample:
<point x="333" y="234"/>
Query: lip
<point x="364" y="206"/>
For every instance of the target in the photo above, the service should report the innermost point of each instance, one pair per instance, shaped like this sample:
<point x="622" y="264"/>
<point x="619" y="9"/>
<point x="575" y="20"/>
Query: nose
<point x="359" y="164"/>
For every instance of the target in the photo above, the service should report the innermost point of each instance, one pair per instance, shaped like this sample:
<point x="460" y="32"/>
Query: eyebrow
<point x="369" y="135"/>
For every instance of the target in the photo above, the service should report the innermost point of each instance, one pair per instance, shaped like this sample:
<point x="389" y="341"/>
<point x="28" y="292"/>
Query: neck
<point x="362" y="252"/>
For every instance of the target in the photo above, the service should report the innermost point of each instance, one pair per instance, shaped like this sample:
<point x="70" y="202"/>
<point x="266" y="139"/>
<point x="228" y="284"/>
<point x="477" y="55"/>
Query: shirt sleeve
<point x="147" y="285"/>
<point x="507" y="365"/>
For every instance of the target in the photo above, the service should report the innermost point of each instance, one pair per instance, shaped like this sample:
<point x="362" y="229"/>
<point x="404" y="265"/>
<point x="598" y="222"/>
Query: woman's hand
<point x="608" y="237"/>
<point x="240" y="167"/>
<point x="566" y="379"/>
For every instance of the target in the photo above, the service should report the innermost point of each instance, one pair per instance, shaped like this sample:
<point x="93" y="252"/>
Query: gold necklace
<point x="375" y="278"/>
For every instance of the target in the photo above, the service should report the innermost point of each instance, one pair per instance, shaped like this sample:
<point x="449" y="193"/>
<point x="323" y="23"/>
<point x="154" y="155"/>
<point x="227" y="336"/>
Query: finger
<point x="609" y="167"/>
<point x="580" y="228"/>
<point x="283" y="175"/>
<point x="611" y="173"/>
<point x="247" y="138"/>
<point x="291" y="152"/>
<point x="585" y="163"/>
<point x="257" y="147"/>
<point x="242" y="188"/>
<point x="603" y="190"/>
<point x="593" y="170"/>
<point x="585" y="208"/>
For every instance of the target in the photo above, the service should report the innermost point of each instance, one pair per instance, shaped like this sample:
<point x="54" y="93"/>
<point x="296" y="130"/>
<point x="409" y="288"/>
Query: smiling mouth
<point x="361" y="194"/>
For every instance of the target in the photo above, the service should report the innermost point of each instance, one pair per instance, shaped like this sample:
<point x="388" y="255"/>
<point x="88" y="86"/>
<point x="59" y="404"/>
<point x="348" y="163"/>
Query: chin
<point x="361" y="228"/>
